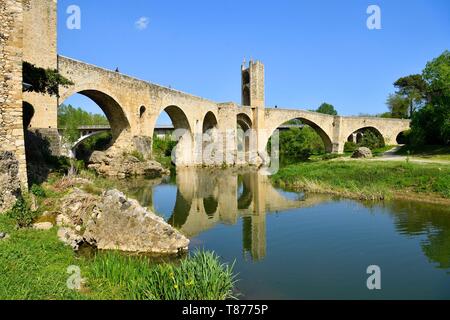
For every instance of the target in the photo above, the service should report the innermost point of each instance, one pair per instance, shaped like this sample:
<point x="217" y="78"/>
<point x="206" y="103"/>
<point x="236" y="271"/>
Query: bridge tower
<point x="253" y="84"/>
<point x="253" y="95"/>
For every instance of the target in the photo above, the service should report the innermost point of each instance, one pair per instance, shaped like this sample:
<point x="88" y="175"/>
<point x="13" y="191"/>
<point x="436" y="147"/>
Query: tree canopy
<point x="327" y="108"/>
<point x="431" y="123"/>
<point x="42" y="80"/>
<point x="70" y="118"/>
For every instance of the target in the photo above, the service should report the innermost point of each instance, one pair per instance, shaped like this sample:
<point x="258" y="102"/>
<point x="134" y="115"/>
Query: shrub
<point x="38" y="191"/>
<point x="371" y="140"/>
<point x="22" y="213"/>
<point x="138" y="155"/>
<point x="350" y="146"/>
<point x="329" y="156"/>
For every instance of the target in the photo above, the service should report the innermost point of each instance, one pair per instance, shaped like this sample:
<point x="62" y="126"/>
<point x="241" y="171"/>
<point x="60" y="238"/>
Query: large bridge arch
<point x="184" y="134"/>
<point x="110" y="105"/>
<point x="327" y="140"/>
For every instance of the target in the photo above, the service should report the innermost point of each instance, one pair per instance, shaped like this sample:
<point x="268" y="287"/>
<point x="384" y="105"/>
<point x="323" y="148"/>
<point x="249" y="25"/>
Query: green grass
<point x="426" y="152"/>
<point x="33" y="265"/>
<point x="380" y="151"/>
<point x="367" y="180"/>
<point x="199" y="277"/>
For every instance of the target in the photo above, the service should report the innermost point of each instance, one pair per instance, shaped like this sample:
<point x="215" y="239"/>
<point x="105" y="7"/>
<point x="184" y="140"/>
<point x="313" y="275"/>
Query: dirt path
<point x="391" y="155"/>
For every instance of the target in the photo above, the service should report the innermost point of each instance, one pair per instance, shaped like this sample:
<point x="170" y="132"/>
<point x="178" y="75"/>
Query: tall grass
<point x="368" y="180"/>
<point x="198" y="277"/>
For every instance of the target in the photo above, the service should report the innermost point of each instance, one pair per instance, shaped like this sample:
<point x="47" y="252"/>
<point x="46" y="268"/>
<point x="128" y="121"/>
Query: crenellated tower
<point x="252" y="84"/>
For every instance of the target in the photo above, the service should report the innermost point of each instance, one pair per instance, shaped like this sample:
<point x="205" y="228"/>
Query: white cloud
<point x="142" y="23"/>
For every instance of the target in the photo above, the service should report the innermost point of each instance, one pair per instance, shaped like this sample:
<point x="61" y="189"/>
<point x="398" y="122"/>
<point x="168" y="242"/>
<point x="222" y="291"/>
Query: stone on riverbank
<point x="43" y="226"/>
<point x="362" y="152"/>
<point x="120" y="165"/>
<point x="112" y="221"/>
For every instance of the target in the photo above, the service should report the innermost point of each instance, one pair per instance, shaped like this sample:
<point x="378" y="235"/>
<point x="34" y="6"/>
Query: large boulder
<point x="9" y="180"/>
<point x="112" y="221"/>
<point x="362" y="152"/>
<point x="123" y="165"/>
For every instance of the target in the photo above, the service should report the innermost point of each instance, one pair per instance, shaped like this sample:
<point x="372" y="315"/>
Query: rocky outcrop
<point x="112" y="221"/>
<point x="9" y="180"/>
<point x="123" y="165"/>
<point x="362" y="152"/>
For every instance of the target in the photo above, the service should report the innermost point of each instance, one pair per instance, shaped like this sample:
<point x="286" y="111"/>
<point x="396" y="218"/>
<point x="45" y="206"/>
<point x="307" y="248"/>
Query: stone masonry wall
<point x="40" y="49"/>
<point x="11" y="45"/>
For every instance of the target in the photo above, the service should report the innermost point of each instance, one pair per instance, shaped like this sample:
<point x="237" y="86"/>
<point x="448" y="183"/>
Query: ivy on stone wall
<point x="43" y="80"/>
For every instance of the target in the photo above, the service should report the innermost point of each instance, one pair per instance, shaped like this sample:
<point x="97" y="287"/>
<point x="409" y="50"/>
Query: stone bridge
<point x="133" y="106"/>
<point x="209" y="132"/>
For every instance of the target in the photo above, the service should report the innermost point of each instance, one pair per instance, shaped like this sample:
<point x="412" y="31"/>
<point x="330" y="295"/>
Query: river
<point x="290" y="245"/>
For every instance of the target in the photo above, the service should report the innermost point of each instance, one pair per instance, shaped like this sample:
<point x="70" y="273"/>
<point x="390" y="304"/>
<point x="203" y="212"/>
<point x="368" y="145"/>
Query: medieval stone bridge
<point x="132" y="106"/>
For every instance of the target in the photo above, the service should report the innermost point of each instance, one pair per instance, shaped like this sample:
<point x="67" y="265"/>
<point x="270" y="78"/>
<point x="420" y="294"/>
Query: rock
<point x="362" y="152"/>
<point x="62" y="220"/>
<point x="70" y="237"/>
<point x="3" y="236"/>
<point x="112" y="221"/>
<point x="9" y="180"/>
<point x="43" y="226"/>
<point x="117" y="164"/>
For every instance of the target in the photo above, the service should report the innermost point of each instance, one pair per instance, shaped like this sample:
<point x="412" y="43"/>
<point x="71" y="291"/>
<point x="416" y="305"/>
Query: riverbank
<point x="35" y="264"/>
<point x="369" y="180"/>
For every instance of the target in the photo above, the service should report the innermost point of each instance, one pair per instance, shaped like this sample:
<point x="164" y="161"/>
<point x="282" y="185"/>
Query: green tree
<point x="413" y="88"/>
<point x="398" y="106"/>
<point x="298" y="144"/>
<point x="43" y="80"/>
<point x="431" y="123"/>
<point x="70" y="118"/>
<point x="327" y="108"/>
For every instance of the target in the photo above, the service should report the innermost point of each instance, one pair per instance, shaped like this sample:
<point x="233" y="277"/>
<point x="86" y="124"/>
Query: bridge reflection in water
<point x="208" y="197"/>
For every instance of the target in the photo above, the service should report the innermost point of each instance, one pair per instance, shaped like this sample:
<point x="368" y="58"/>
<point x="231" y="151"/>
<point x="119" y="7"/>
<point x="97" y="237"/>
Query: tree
<point x="71" y="118"/>
<point x="398" y="106"/>
<point x="431" y="123"/>
<point x="413" y="88"/>
<point x="327" y="108"/>
<point x="45" y="81"/>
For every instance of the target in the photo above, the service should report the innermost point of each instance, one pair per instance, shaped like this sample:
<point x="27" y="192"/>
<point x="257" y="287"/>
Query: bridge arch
<point x="328" y="144"/>
<point x="244" y="125"/>
<point x="82" y="139"/>
<point x="27" y="114"/>
<point x="183" y="151"/>
<point x="358" y="134"/>
<point x="110" y="106"/>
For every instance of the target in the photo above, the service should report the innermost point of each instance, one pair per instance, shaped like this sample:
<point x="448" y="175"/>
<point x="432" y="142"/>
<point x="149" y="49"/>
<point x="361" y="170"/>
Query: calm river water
<point x="289" y="245"/>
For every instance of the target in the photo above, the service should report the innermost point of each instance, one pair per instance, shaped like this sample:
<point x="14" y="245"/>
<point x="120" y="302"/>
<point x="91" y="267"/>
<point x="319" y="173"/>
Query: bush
<point x="350" y="146"/>
<point x="298" y="144"/>
<point x="330" y="156"/>
<point x="138" y="155"/>
<point x="38" y="191"/>
<point x="22" y="213"/>
<point x="372" y="140"/>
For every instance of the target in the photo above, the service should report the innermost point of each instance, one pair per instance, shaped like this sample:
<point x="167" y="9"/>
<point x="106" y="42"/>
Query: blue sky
<point x="313" y="51"/>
